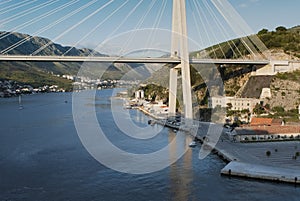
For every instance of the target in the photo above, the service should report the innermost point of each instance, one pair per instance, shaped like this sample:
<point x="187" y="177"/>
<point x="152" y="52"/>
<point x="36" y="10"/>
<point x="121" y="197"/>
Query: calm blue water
<point x="42" y="158"/>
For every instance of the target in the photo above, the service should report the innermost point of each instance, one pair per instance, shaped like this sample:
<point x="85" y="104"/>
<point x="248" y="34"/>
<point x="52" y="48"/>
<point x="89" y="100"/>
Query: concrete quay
<point x="264" y="172"/>
<point x="251" y="160"/>
<point x="248" y="160"/>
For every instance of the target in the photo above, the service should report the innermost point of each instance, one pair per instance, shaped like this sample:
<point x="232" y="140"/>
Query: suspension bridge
<point x="179" y="51"/>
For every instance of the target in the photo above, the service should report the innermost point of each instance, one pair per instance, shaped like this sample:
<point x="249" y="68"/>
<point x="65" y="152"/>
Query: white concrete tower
<point x="179" y="48"/>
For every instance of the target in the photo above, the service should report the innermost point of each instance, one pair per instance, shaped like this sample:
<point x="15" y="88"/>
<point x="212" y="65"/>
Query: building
<point x="265" y="93"/>
<point x="159" y="110"/>
<point x="140" y="94"/>
<point x="235" y="103"/>
<point x="266" y="133"/>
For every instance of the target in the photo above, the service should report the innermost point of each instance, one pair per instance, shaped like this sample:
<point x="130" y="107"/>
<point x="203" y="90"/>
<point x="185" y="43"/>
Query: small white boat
<point x="127" y="106"/>
<point x="20" y="103"/>
<point x="193" y="144"/>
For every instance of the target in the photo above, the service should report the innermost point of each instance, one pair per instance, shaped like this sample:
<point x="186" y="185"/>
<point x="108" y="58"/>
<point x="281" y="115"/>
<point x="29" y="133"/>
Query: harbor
<point x="274" y="161"/>
<point x="43" y="155"/>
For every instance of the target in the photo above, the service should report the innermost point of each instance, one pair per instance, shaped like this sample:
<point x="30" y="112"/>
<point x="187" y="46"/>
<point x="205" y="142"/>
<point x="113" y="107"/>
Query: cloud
<point x="247" y="3"/>
<point x="243" y="5"/>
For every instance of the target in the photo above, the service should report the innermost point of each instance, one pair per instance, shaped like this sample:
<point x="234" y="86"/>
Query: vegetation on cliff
<point x="282" y="38"/>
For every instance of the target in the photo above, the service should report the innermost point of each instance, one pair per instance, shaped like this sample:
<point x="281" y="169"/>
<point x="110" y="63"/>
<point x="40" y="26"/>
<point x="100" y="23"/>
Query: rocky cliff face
<point x="285" y="93"/>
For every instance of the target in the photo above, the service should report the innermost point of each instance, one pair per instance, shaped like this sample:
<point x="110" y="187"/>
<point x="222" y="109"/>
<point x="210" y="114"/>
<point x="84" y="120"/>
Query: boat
<point x="127" y="106"/>
<point x="193" y="144"/>
<point x="20" y="103"/>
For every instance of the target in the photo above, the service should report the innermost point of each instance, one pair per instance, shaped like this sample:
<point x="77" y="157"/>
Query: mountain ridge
<point x="33" y="43"/>
<point x="40" y="73"/>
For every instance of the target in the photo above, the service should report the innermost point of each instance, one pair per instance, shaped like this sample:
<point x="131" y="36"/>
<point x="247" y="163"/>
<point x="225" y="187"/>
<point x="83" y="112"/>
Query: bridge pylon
<point x="179" y="48"/>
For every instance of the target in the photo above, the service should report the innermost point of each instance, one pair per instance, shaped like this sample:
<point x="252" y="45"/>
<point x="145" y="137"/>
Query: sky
<point x="107" y="25"/>
<point x="268" y="13"/>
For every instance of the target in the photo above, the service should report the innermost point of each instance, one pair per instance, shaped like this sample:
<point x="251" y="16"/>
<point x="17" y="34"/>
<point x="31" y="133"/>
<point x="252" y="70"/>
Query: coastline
<point x="250" y="160"/>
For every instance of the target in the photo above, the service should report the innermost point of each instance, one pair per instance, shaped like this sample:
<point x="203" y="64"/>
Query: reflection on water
<point x="42" y="158"/>
<point x="139" y="117"/>
<point x="180" y="182"/>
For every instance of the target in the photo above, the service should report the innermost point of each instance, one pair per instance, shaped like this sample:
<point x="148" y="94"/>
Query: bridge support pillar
<point x="173" y="91"/>
<point x="179" y="47"/>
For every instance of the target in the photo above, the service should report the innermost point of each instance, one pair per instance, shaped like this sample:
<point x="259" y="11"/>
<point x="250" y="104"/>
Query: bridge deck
<point x="126" y="60"/>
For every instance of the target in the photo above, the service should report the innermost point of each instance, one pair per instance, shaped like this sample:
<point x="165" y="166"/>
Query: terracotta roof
<point x="263" y="130"/>
<point x="255" y="121"/>
<point x="277" y="121"/>
<point x="278" y="129"/>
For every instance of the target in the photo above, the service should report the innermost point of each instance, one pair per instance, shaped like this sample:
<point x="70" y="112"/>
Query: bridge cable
<point x="15" y="45"/>
<point x="138" y="26"/>
<point x="71" y="28"/>
<point x="51" y="25"/>
<point x="15" y="6"/>
<point x="156" y="23"/>
<point x="198" y="12"/>
<point x="241" y="28"/>
<point x="219" y="24"/>
<point x="222" y="30"/>
<point x="27" y="12"/>
<point x="204" y="27"/>
<point x="124" y="20"/>
<point x="39" y="18"/>
<point x="98" y="25"/>
<point x="213" y="32"/>
<point x="234" y="23"/>
<point x="201" y="43"/>
<point x="108" y="38"/>
<point x="19" y="15"/>
<point x="4" y="2"/>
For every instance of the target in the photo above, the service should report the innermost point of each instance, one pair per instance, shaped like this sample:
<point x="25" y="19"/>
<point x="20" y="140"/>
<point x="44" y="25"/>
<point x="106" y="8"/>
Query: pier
<point x="265" y="172"/>
<point x="274" y="161"/>
<point x="277" y="161"/>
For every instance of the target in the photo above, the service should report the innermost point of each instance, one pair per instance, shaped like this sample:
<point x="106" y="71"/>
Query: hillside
<point x="287" y="40"/>
<point x="254" y="86"/>
<point x="33" y="43"/>
<point x="42" y="73"/>
<point x="283" y="43"/>
<point x="285" y="88"/>
<point x="282" y="38"/>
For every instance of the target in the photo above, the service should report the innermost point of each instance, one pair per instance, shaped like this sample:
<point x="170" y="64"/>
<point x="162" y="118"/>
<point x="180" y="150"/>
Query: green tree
<point x="258" y="109"/>
<point x="281" y="29"/>
<point x="229" y="106"/>
<point x="263" y="31"/>
<point x="278" y="109"/>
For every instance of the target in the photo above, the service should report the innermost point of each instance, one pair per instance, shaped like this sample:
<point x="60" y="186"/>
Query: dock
<point x="273" y="161"/>
<point x="249" y="160"/>
<point x="264" y="172"/>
